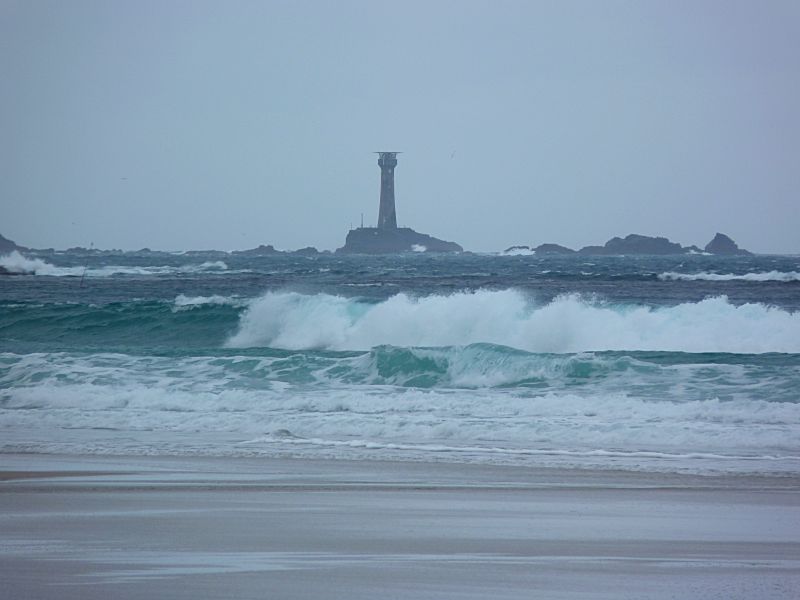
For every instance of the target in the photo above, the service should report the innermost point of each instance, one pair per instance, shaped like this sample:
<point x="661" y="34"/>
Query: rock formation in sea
<point x="374" y="240"/>
<point x="553" y="249"/>
<point x="261" y="250"/>
<point x="517" y="250"/>
<point x="7" y="245"/>
<point x="387" y="237"/>
<point x="307" y="251"/>
<point x="722" y="244"/>
<point x="206" y="254"/>
<point x="540" y="249"/>
<point x="635" y="244"/>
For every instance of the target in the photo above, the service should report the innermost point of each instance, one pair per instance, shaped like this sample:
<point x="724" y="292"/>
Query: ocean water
<point x="685" y="363"/>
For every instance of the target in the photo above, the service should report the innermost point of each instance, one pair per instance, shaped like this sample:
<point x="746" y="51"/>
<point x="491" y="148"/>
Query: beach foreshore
<point x="178" y="527"/>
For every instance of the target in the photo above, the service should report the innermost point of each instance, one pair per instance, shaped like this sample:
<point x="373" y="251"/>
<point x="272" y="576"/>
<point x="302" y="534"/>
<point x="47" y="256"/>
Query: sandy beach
<point x="141" y="527"/>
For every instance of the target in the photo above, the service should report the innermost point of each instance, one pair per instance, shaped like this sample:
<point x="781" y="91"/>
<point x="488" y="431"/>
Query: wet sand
<point x="138" y="527"/>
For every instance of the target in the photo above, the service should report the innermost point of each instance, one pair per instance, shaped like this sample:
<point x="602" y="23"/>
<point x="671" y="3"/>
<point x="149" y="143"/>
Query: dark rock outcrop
<point x="540" y="249"/>
<point x="307" y="251"/>
<point x="372" y="240"/>
<point x="636" y="244"/>
<point x="261" y="250"/>
<point x="553" y="249"/>
<point x="722" y="244"/>
<point x="207" y="254"/>
<point x="7" y="245"/>
<point x="593" y="250"/>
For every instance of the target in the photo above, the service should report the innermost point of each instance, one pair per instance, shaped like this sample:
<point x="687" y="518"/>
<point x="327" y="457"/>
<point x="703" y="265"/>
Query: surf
<point x="19" y="264"/>
<point x="783" y="276"/>
<point x="568" y="324"/>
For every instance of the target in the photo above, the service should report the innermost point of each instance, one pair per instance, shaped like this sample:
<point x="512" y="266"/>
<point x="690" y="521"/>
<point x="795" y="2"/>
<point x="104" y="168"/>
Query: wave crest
<point x="510" y="318"/>
<point x="769" y="276"/>
<point x="183" y="302"/>
<point x="14" y="262"/>
<point x="17" y="263"/>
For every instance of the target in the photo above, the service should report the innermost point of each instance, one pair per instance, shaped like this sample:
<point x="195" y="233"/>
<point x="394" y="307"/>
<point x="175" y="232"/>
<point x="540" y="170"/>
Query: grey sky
<point x="192" y="124"/>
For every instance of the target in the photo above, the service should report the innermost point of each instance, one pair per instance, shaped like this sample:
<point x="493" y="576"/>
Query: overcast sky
<point x="193" y="124"/>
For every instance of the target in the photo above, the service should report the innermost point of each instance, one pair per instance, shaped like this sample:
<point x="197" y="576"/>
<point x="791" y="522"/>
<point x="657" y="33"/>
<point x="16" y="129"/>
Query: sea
<point x="686" y="364"/>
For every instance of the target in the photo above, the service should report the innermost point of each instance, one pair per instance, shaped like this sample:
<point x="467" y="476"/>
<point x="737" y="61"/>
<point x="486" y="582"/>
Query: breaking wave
<point x="19" y="264"/>
<point x="568" y="324"/>
<point x="518" y="251"/>
<point x="183" y="302"/>
<point x="770" y="276"/>
<point x="14" y="262"/>
<point x="408" y="398"/>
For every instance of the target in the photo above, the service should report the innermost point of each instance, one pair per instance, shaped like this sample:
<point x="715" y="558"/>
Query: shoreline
<point x="117" y="468"/>
<point x="188" y="527"/>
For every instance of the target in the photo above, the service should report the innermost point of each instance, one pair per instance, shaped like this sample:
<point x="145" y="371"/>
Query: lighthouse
<point x="387" y="217"/>
<point x="387" y="237"/>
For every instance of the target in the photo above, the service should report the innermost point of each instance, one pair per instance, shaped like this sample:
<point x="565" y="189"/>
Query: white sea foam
<point x="58" y="395"/>
<point x="17" y="263"/>
<point x="768" y="276"/>
<point x="520" y="251"/>
<point x="109" y="270"/>
<point x="14" y="262"/>
<point x="509" y="318"/>
<point x="285" y="437"/>
<point x="213" y="265"/>
<point x="183" y="302"/>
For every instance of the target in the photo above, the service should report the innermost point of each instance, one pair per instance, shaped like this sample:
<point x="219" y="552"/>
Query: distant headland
<point x="7" y="245"/>
<point x="387" y="237"/>
<point x="634" y="244"/>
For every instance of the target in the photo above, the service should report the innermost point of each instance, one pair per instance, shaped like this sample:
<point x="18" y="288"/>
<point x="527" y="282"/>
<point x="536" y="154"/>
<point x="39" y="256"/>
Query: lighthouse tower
<point x="387" y="217"/>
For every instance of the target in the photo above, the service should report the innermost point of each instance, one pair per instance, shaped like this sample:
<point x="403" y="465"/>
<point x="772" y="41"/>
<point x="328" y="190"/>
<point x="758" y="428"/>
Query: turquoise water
<point x="677" y="363"/>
